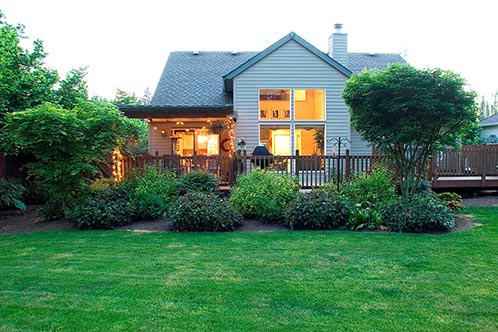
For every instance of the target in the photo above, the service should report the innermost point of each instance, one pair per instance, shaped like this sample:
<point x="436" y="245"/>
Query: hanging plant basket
<point x="217" y="127"/>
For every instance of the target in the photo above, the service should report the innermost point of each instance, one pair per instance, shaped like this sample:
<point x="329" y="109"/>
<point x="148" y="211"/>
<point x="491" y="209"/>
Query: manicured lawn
<point x="273" y="281"/>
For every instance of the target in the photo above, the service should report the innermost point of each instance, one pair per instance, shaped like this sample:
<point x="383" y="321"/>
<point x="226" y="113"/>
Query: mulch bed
<point x="15" y="221"/>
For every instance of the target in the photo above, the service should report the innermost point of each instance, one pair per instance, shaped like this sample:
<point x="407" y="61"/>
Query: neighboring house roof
<point x="198" y="80"/>
<point x="357" y="62"/>
<point x="260" y="56"/>
<point x="490" y="121"/>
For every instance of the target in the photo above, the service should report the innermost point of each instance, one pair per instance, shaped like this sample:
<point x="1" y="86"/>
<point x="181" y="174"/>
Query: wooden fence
<point x="311" y="171"/>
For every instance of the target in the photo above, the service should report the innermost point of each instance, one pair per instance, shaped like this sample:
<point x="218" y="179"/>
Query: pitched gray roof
<point x="190" y="79"/>
<point x="489" y="121"/>
<point x="197" y="80"/>
<point x="357" y="62"/>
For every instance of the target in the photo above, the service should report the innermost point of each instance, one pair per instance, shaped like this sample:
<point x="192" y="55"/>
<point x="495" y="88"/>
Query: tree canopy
<point x="67" y="144"/>
<point x="24" y="79"/>
<point x="409" y="114"/>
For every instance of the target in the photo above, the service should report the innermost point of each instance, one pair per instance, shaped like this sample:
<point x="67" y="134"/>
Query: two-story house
<point x="287" y="97"/>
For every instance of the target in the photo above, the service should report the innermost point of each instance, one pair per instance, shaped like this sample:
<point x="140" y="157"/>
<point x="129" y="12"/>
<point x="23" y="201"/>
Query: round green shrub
<point x="153" y="191"/>
<point x="374" y="190"/>
<point x="418" y="213"/>
<point x="453" y="200"/>
<point x="104" y="209"/>
<point x="317" y="210"/>
<point x="263" y="195"/>
<point x="199" y="212"/>
<point x="198" y="181"/>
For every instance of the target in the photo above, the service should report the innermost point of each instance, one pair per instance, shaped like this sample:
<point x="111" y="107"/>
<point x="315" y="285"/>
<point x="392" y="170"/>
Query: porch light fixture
<point x="163" y="133"/>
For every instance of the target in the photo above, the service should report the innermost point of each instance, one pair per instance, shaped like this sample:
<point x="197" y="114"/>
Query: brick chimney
<point x="338" y="45"/>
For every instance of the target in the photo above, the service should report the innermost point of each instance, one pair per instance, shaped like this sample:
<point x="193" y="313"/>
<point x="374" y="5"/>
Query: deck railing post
<point x="298" y="163"/>
<point x="244" y="162"/>
<point x="347" y="165"/>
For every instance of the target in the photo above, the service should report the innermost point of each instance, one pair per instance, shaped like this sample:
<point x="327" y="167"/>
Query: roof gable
<point x="228" y="78"/>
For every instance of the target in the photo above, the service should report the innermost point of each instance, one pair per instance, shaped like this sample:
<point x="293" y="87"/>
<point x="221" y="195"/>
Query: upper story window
<point x="309" y="104"/>
<point x="274" y="104"/>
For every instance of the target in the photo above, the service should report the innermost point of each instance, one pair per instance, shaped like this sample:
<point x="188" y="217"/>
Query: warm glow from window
<point x="312" y="107"/>
<point x="199" y="141"/>
<point x="274" y="104"/>
<point x="310" y="140"/>
<point x="300" y="95"/>
<point x="276" y="139"/>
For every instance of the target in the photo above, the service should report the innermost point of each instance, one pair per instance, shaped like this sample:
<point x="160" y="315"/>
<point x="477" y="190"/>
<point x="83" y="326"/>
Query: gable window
<point x="274" y="104"/>
<point x="309" y="104"/>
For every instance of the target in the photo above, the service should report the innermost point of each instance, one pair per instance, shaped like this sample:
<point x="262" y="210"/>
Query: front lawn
<point x="270" y="281"/>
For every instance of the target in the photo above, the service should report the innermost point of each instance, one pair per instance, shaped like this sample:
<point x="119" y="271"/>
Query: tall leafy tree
<point x="72" y="89"/>
<point x="67" y="145"/>
<point x="409" y="114"/>
<point x="25" y="81"/>
<point x="125" y="98"/>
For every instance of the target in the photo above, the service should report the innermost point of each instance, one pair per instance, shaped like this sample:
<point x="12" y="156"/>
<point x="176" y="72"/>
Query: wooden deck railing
<point x="314" y="171"/>
<point x="311" y="171"/>
<point x="469" y="160"/>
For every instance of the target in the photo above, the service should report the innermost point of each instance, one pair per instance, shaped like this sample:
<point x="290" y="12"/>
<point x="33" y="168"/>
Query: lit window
<point x="276" y="139"/>
<point x="310" y="140"/>
<point x="274" y="104"/>
<point x="199" y="141"/>
<point x="309" y="104"/>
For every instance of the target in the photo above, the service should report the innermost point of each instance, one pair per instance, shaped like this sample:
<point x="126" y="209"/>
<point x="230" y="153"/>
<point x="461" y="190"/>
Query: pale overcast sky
<point x="126" y="43"/>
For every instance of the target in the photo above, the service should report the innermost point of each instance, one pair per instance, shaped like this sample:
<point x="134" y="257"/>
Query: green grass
<point x="274" y="281"/>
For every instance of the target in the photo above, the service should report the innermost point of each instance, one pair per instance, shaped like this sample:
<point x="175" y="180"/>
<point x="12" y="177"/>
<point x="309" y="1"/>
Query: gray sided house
<point x="286" y="97"/>
<point x="490" y="129"/>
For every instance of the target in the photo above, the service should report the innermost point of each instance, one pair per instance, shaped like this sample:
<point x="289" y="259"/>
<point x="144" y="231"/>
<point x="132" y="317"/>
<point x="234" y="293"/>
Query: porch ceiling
<point x="177" y="112"/>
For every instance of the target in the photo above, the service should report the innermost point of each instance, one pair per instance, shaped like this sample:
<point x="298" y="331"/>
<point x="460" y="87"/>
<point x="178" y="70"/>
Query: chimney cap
<point x="338" y="26"/>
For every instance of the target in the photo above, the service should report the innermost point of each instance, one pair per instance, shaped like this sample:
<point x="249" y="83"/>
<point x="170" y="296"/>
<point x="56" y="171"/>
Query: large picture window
<point x="310" y="140"/>
<point x="309" y="104"/>
<point x="274" y="104"/>
<point x="276" y="139"/>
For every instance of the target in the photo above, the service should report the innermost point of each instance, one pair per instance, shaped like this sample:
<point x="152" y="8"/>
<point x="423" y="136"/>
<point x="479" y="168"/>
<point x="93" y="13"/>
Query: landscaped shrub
<point x="376" y="188"/>
<point x="102" y="183"/>
<point x="263" y="195"/>
<point x="319" y="209"/>
<point x="418" y="213"/>
<point x="453" y="200"/>
<point x="197" y="211"/>
<point x="11" y="194"/>
<point x="364" y="216"/>
<point x="197" y="181"/>
<point x="153" y="191"/>
<point x="367" y="195"/>
<point x="104" y="208"/>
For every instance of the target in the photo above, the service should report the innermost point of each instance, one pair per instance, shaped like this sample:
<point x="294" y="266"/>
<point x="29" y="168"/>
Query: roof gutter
<point x="142" y="112"/>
